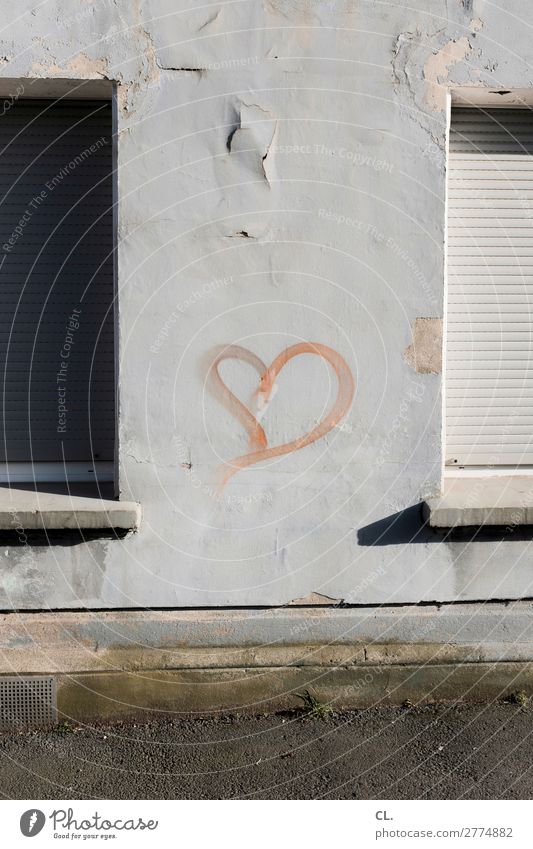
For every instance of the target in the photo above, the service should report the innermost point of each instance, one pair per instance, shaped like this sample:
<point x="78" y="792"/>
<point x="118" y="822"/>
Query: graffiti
<point x="257" y="438"/>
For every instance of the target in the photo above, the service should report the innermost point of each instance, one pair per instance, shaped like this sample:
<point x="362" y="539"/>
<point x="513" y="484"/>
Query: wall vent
<point x="27" y="701"/>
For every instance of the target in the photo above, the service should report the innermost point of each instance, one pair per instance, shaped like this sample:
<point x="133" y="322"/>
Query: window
<point x="489" y="333"/>
<point x="57" y="233"/>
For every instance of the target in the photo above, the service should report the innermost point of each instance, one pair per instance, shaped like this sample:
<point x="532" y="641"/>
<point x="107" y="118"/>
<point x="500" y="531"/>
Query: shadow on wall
<point x="65" y="537"/>
<point x="408" y="526"/>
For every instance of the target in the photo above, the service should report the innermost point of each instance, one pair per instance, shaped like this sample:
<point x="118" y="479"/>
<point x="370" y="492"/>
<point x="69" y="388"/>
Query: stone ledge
<point x="476" y="501"/>
<point x="28" y="509"/>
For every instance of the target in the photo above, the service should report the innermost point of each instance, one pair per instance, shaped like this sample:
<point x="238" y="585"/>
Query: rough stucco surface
<point x="281" y="181"/>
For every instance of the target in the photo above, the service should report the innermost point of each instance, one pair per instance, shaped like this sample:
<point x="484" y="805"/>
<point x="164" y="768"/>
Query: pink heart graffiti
<point x="267" y="378"/>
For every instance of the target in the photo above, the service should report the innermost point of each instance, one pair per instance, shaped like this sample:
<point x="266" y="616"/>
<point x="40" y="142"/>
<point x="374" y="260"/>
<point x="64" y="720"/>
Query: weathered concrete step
<point x="115" y="696"/>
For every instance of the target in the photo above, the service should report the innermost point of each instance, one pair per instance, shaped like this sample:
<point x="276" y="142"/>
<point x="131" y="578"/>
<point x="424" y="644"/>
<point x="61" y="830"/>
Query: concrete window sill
<point x="49" y="508"/>
<point x="489" y="501"/>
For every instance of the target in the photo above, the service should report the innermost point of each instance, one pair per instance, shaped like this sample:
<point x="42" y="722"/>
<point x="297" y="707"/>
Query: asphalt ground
<point x="435" y="752"/>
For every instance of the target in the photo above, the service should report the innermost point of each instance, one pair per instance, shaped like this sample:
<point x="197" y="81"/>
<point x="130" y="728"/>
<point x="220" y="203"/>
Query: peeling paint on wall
<point x="254" y="132"/>
<point x="81" y="67"/>
<point x="424" y="64"/>
<point x="437" y="67"/>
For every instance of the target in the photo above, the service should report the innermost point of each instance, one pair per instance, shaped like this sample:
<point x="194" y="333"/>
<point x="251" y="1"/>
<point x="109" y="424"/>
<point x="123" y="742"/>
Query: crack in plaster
<point x="241" y="234"/>
<point x="315" y="598"/>
<point x="199" y="71"/>
<point x="209" y="21"/>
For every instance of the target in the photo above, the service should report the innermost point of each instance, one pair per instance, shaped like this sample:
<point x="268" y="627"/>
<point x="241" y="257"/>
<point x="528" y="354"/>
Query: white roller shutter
<point x="489" y="338"/>
<point x="56" y="254"/>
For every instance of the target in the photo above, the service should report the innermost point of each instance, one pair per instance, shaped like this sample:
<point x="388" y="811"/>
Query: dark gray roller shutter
<point x="56" y="282"/>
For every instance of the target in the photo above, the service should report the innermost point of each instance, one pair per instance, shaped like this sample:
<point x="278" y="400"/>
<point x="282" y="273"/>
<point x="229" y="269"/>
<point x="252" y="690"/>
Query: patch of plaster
<point x="313" y="599"/>
<point x="437" y="67"/>
<point x="404" y="46"/>
<point x="129" y="90"/>
<point x="309" y="11"/>
<point x="304" y="10"/>
<point x="254" y="131"/>
<point x="422" y="64"/>
<point x="81" y="67"/>
<point x="425" y="352"/>
<point x="131" y="83"/>
<point x="147" y="48"/>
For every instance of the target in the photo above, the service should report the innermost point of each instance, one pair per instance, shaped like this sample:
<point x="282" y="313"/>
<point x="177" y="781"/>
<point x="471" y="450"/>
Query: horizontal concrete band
<point x="145" y="695"/>
<point x="57" y="642"/>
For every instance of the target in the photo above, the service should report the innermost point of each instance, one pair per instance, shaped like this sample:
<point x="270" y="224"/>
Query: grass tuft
<point x="519" y="698"/>
<point x="313" y="706"/>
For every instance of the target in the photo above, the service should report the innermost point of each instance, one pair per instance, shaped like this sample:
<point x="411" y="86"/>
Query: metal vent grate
<point x="27" y="701"/>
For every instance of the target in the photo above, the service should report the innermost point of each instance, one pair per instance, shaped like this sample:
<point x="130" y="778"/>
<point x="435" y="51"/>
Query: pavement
<point x="434" y="752"/>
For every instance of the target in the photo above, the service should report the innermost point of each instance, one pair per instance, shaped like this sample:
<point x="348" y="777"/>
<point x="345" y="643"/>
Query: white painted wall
<point x="281" y="181"/>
